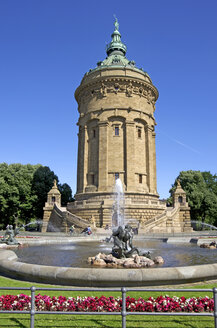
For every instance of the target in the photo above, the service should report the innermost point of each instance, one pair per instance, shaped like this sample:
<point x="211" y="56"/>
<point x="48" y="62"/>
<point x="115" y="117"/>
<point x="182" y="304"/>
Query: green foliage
<point x="201" y="192"/>
<point x="23" y="192"/>
<point x="66" y="193"/>
<point x="42" y="183"/>
<point x="16" y="197"/>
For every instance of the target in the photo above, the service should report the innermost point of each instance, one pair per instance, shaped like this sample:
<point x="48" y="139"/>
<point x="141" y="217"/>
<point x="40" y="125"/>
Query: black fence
<point x="123" y="312"/>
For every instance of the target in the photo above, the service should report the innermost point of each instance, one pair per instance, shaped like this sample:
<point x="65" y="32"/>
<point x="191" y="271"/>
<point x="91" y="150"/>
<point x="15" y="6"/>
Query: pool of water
<point x="75" y="254"/>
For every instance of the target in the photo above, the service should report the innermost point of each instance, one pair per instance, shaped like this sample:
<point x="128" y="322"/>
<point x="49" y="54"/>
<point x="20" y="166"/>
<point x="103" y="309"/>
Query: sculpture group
<point x="123" y="242"/>
<point x="123" y="253"/>
<point x="9" y="236"/>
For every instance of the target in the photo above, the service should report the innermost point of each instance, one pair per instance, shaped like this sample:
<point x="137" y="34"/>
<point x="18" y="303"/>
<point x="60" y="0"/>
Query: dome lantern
<point x="116" y="45"/>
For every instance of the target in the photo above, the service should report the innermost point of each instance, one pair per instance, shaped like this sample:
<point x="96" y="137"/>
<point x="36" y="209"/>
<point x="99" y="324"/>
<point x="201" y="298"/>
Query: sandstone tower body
<point x="116" y="139"/>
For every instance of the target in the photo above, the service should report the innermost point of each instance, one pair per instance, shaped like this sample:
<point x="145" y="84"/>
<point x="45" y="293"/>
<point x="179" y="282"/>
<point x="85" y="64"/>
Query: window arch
<point x="180" y="199"/>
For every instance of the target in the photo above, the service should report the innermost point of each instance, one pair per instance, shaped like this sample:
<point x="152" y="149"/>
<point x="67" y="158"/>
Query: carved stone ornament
<point x="129" y="90"/>
<point x="120" y="86"/>
<point x="103" y="90"/>
<point x="116" y="87"/>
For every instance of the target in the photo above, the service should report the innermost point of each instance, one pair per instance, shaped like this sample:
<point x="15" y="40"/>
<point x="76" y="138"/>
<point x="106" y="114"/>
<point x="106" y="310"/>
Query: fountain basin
<point x="75" y="252"/>
<point x="96" y="277"/>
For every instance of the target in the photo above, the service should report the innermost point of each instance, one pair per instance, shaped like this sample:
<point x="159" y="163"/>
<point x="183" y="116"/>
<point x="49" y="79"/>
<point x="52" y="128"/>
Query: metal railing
<point x="123" y="312"/>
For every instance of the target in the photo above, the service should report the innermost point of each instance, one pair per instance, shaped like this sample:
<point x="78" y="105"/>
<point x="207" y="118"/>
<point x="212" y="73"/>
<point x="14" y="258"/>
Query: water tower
<point x="116" y="139"/>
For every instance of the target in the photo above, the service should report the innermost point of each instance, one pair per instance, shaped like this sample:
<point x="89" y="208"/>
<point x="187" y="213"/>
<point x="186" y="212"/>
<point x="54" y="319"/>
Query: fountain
<point x="199" y="225"/>
<point x="123" y="253"/>
<point x="135" y="271"/>
<point x="10" y="233"/>
<point x="9" y="236"/>
<point x="48" y="271"/>
<point x="118" y="218"/>
<point x="118" y="215"/>
<point x="123" y="247"/>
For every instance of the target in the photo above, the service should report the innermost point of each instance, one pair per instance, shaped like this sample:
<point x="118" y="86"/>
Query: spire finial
<point x="116" y="24"/>
<point x="116" y="44"/>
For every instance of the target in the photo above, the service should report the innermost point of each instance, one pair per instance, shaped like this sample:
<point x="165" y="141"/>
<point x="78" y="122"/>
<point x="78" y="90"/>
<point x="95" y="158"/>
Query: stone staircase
<point x="168" y="221"/>
<point x="61" y="220"/>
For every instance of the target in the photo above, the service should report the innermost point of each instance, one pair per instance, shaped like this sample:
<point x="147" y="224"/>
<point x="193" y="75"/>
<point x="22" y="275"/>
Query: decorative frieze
<point x="117" y="85"/>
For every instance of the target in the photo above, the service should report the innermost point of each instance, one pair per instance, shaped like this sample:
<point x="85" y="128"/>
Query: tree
<point x="201" y="192"/>
<point x="211" y="181"/>
<point x="66" y="193"/>
<point x="16" y="197"/>
<point x="23" y="192"/>
<point x="42" y="183"/>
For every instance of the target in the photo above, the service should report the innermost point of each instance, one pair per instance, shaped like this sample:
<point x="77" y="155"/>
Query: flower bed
<point x="107" y="304"/>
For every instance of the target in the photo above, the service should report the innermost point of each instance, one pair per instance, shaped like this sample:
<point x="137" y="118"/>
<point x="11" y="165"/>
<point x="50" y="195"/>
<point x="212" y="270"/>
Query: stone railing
<point x="76" y="220"/>
<point x="158" y="219"/>
<point x="60" y="215"/>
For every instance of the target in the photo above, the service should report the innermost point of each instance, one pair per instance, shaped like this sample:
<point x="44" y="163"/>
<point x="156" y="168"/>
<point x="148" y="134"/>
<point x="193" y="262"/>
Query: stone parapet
<point x="137" y="208"/>
<point x="96" y="277"/>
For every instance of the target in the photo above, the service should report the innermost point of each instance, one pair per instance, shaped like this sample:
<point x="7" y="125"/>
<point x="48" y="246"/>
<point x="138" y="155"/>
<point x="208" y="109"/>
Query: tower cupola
<point x="116" y="45"/>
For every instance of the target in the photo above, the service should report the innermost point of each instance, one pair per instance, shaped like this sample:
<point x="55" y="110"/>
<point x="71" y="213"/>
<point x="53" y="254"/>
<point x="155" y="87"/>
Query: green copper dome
<point x="116" y="51"/>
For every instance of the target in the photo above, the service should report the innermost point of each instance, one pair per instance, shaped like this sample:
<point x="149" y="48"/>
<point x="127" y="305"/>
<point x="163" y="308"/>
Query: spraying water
<point x="199" y="225"/>
<point x="38" y="222"/>
<point x="118" y="215"/>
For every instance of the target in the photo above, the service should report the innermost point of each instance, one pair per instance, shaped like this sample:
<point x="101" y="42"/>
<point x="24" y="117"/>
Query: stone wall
<point x="116" y="131"/>
<point x="137" y="208"/>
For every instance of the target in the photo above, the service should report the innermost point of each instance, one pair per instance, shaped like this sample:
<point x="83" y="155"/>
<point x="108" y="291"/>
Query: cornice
<point x="119" y="112"/>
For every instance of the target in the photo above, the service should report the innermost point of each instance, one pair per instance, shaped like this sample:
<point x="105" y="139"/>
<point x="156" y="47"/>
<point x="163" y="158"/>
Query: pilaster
<point x="149" y="157"/>
<point x="79" y="163"/>
<point x="85" y="157"/>
<point x="103" y="156"/>
<point x="130" y="156"/>
<point x="154" y="163"/>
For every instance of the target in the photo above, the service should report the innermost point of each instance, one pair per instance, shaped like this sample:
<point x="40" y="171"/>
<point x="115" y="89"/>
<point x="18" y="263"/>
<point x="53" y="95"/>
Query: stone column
<point x="82" y="160"/>
<point x="154" y="163"/>
<point x="149" y="157"/>
<point x="85" y="157"/>
<point x="129" y="156"/>
<point x="103" y="156"/>
<point x="79" y="164"/>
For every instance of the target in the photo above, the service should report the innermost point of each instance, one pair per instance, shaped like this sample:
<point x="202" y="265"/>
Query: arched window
<point x="180" y="199"/>
<point x="139" y="131"/>
<point x="116" y="130"/>
<point x="53" y="199"/>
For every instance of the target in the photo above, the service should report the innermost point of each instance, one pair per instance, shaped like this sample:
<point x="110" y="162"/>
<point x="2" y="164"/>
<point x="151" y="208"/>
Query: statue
<point x="116" y="24"/>
<point x="93" y="221"/>
<point x="123" y="246"/>
<point x="123" y="253"/>
<point x="9" y="236"/>
<point x="129" y="90"/>
<point x="103" y="90"/>
<point x="142" y="222"/>
<point x="150" y="97"/>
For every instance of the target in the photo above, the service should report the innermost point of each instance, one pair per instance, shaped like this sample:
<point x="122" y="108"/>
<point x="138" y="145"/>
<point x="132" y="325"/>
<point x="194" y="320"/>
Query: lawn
<point x="85" y="321"/>
<point x="102" y="321"/>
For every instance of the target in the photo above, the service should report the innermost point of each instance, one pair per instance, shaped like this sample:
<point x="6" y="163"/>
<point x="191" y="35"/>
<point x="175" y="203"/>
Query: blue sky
<point x="46" y="46"/>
